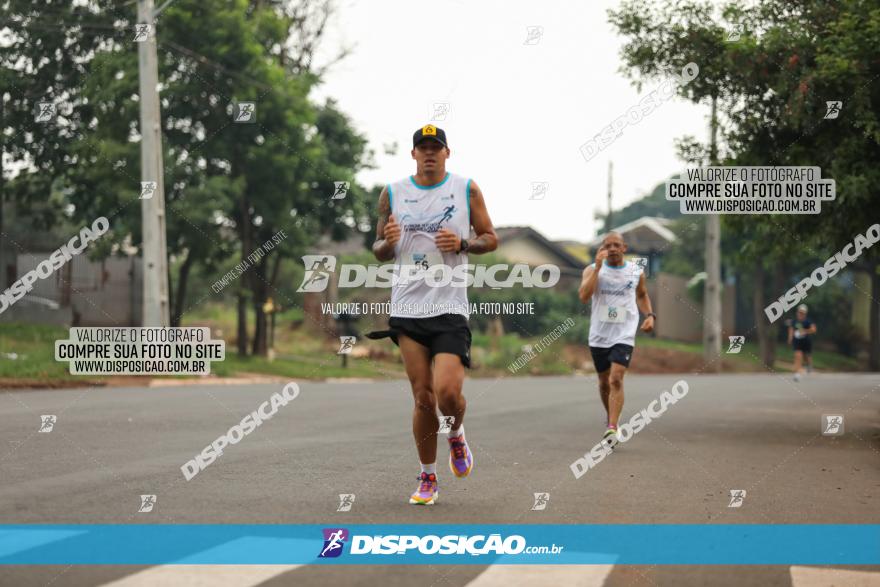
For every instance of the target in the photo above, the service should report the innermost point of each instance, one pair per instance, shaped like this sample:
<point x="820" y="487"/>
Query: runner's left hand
<point x="648" y="324"/>
<point x="447" y="241"/>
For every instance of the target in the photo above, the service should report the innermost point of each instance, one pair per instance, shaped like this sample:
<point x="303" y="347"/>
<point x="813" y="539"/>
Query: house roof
<point x="509" y="233"/>
<point x="643" y="234"/>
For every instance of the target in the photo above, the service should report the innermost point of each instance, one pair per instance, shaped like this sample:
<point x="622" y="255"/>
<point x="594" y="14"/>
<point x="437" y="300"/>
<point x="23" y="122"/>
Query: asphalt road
<point x="760" y="433"/>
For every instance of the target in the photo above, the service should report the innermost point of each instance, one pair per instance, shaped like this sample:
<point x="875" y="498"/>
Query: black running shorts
<point x="603" y="357"/>
<point x="805" y="345"/>
<point x="447" y="333"/>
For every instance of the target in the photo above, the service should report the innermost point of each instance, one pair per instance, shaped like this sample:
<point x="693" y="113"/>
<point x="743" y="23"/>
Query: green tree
<point x="43" y="58"/>
<point x="772" y="85"/>
<point x="794" y="58"/>
<point x="230" y="186"/>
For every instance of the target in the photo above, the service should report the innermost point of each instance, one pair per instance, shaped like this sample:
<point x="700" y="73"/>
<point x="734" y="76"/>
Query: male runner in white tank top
<point x="424" y="224"/>
<point x="618" y="293"/>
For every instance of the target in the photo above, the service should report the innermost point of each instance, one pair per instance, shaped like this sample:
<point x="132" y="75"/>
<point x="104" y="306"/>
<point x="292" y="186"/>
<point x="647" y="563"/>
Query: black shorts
<point x="603" y="357"/>
<point x="447" y="333"/>
<point x="804" y="345"/>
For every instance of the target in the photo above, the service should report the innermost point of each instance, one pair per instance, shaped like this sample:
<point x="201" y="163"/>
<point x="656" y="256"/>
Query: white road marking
<point x="202" y="576"/>
<point x="820" y="577"/>
<point x="218" y="575"/>
<point x="542" y="575"/>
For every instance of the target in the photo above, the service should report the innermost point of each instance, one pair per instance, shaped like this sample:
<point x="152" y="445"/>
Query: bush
<point x="551" y="308"/>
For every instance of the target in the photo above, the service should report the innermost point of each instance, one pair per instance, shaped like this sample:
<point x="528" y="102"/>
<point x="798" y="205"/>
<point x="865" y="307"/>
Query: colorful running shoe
<point x="427" y="492"/>
<point x="610" y="438"/>
<point x="461" y="459"/>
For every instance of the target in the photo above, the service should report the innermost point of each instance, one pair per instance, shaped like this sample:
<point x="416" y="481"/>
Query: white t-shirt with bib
<point x="614" y="316"/>
<point x="422" y="211"/>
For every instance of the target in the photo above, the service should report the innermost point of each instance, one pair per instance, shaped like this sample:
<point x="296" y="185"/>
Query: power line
<point x="219" y="66"/>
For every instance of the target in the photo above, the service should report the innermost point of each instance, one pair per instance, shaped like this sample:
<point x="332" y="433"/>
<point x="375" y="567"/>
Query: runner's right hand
<point x="391" y="231"/>
<point x="600" y="257"/>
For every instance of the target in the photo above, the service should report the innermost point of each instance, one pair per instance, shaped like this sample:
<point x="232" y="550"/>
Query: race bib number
<point x="424" y="261"/>
<point x="417" y="265"/>
<point x="616" y="314"/>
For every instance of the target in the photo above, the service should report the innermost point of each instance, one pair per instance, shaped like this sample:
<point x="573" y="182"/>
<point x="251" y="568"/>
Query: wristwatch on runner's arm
<point x="463" y="247"/>
<point x="652" y="315"/>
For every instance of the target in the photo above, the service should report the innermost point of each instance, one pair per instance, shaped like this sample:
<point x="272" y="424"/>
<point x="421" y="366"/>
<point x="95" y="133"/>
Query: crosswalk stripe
<point x="202" y="576"/>
<point x="820" y="577"/>
<point x="180" y="574"/>
<point x="542" y="576"/>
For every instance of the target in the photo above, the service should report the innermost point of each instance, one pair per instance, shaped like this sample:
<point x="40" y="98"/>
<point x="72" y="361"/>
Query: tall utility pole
<point x="712" y="289"/>
<point x="3" y="283"/>
<point x="610" y="178"/>
<point x="155" y="255"/>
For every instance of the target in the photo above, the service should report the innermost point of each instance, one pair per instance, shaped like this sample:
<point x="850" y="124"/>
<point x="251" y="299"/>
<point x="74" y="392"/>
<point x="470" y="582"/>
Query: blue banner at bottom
<point x="454" y="544"/>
